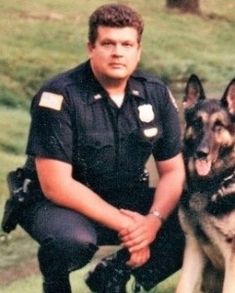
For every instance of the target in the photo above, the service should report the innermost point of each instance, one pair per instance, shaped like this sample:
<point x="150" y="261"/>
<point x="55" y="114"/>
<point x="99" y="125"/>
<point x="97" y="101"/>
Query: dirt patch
<point x="20" y="270"/>
<point x="28" y="267"/>
<point x="18" y="256"/>
<point x="53" y="16"/>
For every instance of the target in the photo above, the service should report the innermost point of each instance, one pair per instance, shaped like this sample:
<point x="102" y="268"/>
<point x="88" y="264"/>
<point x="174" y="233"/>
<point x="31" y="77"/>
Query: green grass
<point x="34" y="284"/>
<point x="40" y="38"/>
<point x="14" y="125"/>
<point x="14" y="128"/>
<point x="46" y="37"/>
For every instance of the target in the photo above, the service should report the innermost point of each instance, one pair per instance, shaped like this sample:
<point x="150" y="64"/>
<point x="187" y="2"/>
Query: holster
<point x="19" y="196"/>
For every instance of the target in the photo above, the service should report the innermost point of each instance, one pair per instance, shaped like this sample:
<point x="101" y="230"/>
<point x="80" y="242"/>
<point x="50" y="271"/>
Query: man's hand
<point x="139" y="235"/>
<point x="139" y="258"/>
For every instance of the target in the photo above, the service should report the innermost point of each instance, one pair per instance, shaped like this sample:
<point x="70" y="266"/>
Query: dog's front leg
<point x="192" y="269"/>
<point x="229" y="278"/>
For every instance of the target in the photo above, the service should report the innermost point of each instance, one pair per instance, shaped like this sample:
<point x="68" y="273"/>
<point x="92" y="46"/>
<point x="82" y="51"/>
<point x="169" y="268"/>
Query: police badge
<point x="146" y="113"/>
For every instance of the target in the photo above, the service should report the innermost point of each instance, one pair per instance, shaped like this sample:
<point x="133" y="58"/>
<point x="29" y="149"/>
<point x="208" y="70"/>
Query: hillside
<point x="40" y="38"/>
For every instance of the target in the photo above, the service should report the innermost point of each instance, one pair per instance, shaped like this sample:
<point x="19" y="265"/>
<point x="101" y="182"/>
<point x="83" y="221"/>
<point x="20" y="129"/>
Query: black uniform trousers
<point x="68" y="240"/>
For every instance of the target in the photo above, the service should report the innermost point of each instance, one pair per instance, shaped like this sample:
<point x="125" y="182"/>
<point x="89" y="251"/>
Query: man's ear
<point x="140" y="51"/>
<point x="193" y="92"/>
<point x="90" y="47"/>
<point x="228" y="98"/>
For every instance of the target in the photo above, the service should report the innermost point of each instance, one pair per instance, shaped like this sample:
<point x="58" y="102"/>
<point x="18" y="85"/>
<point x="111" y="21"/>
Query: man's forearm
<point x="170" y="186"/>
<point x="78" y="197"/>
<point x="167" y="194"/>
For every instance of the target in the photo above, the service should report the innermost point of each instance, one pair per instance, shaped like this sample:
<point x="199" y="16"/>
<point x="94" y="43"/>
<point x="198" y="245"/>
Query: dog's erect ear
<point x="193" y="92"/>
<point x="228" y="98"/>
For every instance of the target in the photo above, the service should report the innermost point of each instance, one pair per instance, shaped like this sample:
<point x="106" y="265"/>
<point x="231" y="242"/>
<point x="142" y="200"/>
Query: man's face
<point x="115" y="53"/>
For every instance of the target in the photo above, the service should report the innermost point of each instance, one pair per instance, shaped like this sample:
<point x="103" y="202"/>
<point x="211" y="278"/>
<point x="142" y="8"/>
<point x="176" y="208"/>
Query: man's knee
<point x="57" y="257"/>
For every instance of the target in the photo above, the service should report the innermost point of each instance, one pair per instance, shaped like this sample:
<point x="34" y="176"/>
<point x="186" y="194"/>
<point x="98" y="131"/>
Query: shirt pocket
<point x="99" y="152"/>
<point x="149" y="133"/>
<point x="139" y="146"/>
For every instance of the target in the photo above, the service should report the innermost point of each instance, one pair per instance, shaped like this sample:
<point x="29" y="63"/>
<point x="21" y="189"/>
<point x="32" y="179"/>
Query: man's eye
<point x="127" y="45"/>
<point x="107" y="44"/>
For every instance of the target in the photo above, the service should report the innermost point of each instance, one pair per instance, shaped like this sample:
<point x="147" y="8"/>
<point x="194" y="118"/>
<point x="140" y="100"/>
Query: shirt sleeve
<point x="169" y="145"/>
<point x="51" y="134"/>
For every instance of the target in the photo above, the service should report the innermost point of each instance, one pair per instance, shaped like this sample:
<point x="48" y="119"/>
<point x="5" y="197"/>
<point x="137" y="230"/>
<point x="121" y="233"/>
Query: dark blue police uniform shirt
<point x="75" y="121"/>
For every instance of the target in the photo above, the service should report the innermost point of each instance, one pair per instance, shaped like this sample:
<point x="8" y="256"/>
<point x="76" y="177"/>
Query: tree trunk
<point x="191" y="6"/>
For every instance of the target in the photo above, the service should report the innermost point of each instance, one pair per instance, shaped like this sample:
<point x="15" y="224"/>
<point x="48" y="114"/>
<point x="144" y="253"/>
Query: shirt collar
<point x="96" y="94"/>
<point x="94" y="90"/>
<point x="135" y="88"/>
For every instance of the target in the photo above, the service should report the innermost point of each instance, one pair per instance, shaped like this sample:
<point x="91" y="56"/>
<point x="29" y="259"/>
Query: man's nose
<point x="117" y="50"/>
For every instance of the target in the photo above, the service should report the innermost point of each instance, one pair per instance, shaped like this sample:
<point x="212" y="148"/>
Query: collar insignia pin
<point x="135" y="92"/>
<point x="97" y="96"/>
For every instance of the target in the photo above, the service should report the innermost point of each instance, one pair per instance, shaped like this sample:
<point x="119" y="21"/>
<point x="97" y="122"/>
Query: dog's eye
<point x="197" y="124"/>
<point x="218" y="126"/>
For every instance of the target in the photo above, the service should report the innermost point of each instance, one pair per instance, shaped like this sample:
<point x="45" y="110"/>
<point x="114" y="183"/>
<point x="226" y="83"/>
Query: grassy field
<point x="33" y="284"/>
<point x="40" y="38"/>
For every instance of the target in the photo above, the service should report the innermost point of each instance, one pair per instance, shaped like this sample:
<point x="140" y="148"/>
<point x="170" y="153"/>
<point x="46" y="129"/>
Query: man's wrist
<point x="156" y="213"/>
<point x="123" y="222"/>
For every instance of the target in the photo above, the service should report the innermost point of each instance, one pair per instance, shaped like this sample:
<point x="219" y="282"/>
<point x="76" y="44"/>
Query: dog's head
<point x="209" y="138"/>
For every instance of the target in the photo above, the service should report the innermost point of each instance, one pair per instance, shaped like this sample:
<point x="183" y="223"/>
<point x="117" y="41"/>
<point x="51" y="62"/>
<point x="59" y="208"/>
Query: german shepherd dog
<point x="207" y="211"/>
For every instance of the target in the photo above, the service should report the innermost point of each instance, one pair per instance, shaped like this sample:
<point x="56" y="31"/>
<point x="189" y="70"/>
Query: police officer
<point x="93" y="129"/>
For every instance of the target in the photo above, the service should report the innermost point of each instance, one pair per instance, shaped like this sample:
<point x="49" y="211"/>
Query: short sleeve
<point x="169" y="145"/>
<point x="51" y="134"/>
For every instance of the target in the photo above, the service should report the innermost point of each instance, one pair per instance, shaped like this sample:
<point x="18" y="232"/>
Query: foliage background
<point x="40" y="38"/>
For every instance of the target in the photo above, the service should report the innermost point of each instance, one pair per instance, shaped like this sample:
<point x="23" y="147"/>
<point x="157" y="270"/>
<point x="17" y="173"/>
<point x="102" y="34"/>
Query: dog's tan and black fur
<point x="207" y="212"/>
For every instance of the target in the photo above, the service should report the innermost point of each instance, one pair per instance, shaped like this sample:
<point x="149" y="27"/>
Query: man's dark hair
<point x="114" y="15"/>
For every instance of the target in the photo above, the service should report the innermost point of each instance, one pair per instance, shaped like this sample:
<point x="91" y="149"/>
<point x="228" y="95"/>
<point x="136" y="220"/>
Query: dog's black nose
<point x="203" y="149"/>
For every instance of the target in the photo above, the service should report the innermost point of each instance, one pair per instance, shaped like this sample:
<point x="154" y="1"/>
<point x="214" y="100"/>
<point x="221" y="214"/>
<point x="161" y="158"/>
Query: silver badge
<point x="146" y="113"/>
